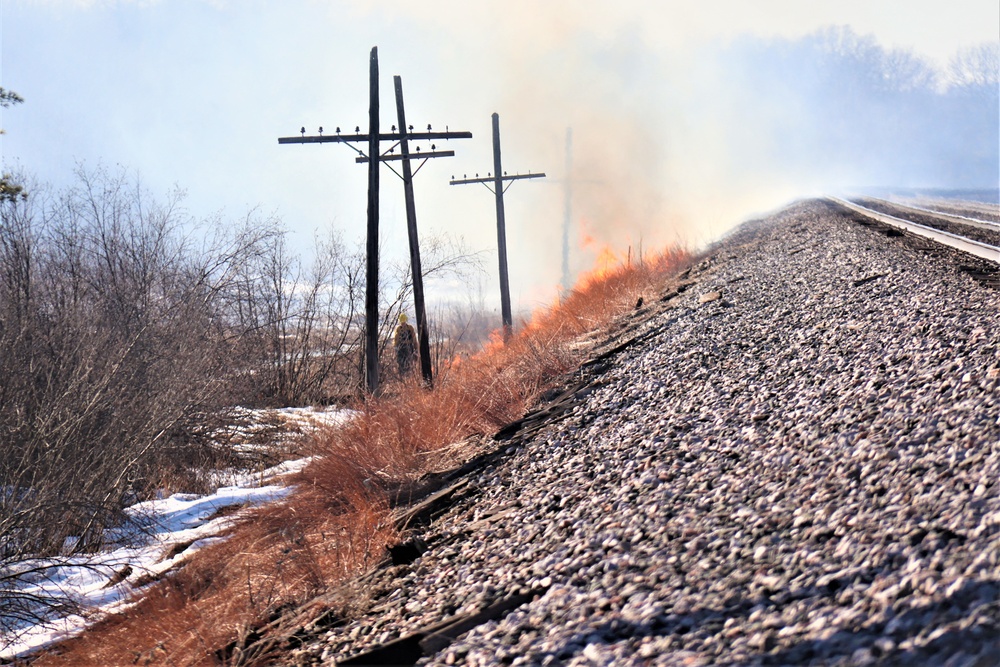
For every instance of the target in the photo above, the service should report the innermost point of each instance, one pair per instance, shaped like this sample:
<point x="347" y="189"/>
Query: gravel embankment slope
<point x="805" y="470"/>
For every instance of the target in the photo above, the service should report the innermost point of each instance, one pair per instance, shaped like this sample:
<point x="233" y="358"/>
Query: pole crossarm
<point x="392" y="136"/>
<point x="411" y="156"/>
<point x="492" y="179"/>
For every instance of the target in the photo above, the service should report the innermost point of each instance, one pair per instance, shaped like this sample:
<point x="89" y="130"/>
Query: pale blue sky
<point x="196" y="93"/>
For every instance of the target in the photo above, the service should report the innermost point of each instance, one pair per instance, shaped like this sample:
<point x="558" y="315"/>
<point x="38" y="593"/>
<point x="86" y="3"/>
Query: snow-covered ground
<point x="166" y="531"/>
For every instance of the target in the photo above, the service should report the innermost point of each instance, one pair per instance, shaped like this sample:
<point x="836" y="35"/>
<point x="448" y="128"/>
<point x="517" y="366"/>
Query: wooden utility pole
<point x="567" y="181"/>
<point x="371" y="273"/>
<point x="373" y="139"/>
<point x="411" y="228"/>
<point x="567" y="210"/>
<point x="498" y="179"/>
<point x="501" y="231"/>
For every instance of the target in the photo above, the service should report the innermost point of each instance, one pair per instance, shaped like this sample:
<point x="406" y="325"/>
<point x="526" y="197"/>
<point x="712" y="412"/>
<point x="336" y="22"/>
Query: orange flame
<point x="495" y="343"/>
<point x="538" y="319"/>
<point x="608" y="261"/>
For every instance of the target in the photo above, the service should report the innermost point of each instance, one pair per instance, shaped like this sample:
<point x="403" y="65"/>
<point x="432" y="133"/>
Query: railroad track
<point x="979" y="238"/>
<point x="978" y="223"/>
<point x="974" y="209"/>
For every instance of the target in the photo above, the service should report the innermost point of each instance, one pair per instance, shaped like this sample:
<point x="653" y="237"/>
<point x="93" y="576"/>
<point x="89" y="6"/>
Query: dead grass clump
<point x="389" y="440"/>
<point x="605" y="294"/>
<point x="337" y="523"/>
<point x="280" y="556"/>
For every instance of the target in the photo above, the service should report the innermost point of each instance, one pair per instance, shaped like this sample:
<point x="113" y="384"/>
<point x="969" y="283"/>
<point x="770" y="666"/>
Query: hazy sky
<point x="196" y="93"/>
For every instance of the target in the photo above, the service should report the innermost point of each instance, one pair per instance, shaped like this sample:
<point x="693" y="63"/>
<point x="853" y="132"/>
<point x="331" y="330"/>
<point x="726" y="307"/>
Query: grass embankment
<point x="337" y="524"/>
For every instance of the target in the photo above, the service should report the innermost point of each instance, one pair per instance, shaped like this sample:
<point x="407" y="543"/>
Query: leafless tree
<point x="297" y="320"/>
<point x="976" y="68"/>
<point x="113" y="347"/>
<point x="459" y="329"/>
<point x="442" y="256"/>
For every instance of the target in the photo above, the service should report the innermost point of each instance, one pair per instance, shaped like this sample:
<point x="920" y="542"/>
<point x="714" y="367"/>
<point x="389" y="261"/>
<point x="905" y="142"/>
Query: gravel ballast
<point x="799" y="465"/>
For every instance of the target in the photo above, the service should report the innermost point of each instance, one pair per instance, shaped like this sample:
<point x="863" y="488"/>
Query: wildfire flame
<point x="612" y="273"/>
<point x="495" y="343"/>
<point x="606" y="262"/>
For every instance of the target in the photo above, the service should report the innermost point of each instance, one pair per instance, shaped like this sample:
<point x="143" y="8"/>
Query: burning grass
<point x="338" y="523"/>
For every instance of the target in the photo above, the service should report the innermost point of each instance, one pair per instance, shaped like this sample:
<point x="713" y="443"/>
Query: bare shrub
<point x="112" y="343"/>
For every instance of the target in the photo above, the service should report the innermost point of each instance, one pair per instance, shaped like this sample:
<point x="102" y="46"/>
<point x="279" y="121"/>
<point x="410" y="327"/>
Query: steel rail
<point x="981" y="250"/>
<point x="950" y="217"/>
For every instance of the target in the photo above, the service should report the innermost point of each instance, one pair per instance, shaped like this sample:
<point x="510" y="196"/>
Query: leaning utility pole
<point x="411" y="228"/>
<point x="497" y="179"/>
<point x="373" y="139"/>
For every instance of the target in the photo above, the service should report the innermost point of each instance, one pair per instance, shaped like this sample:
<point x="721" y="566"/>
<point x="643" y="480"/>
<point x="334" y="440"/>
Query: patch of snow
<point x="161" y="527"/>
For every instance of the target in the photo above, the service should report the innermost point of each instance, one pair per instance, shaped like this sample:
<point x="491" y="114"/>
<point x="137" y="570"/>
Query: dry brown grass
<point x="285" y="554"/>
<point x="337" y="523"/>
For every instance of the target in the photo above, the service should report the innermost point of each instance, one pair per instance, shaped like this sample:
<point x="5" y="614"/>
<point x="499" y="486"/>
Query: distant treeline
<point x="839" y="105"/>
